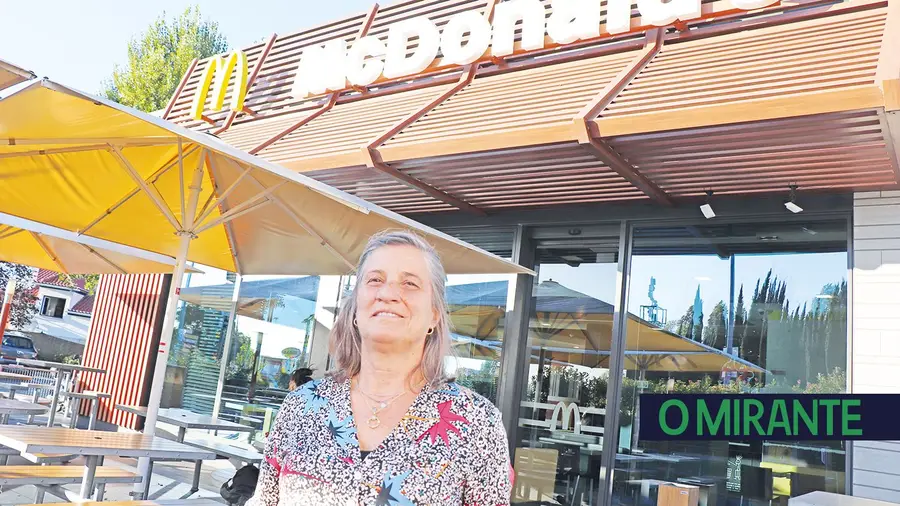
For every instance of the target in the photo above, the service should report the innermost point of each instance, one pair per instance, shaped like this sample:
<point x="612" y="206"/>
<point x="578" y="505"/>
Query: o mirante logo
<point x="797" y="417"/>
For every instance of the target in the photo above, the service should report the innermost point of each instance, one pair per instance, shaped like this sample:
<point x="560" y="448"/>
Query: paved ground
<point x="171" y="480"/>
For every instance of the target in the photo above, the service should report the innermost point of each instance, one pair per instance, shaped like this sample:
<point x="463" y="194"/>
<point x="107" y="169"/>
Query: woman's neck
<point x="386" y="374"/>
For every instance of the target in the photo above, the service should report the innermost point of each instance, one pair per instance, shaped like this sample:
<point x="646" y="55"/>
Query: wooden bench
<point x="61" y="475"/>
<point x="50" y="478"/>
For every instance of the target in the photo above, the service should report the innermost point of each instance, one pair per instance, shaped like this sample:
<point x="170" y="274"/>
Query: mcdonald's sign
<point x="222" y="69"/>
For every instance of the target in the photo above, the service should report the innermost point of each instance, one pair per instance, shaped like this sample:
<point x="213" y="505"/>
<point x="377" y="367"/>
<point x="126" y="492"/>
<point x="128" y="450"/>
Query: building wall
<point x="876" y="332"/>
<point x="69" y="327"/>
<point x="123" y="341"/>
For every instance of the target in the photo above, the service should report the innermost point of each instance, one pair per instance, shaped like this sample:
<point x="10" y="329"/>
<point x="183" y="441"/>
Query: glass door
<point x="560" y="428"/>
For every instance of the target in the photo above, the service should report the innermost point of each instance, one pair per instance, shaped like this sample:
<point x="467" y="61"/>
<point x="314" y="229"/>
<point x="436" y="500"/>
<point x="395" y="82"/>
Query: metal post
<point x="165" y="339"/>
<point x="616" y="366"/>
<point x="729" y="346"/>
<point x="226" y="346"/>
<point x="95" y="410"/>
<point x="514" y="356"/>
<point x="87" y="485"/>
<point x="54" y="402"/>
<point x="162" y="356"/>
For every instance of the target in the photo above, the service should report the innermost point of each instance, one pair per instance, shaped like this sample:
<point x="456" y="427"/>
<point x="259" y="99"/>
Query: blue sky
<point x="77" y="43"/>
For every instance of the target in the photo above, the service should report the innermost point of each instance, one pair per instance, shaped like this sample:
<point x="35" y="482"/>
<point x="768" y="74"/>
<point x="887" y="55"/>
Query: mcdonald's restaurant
<point x="708" y="191"/>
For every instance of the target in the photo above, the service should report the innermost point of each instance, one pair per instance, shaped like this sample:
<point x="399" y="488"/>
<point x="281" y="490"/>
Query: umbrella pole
<point x="162" y="357"/>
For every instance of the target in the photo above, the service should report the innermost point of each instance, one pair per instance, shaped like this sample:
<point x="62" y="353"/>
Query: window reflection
<point x="561" y="418"/>
<point x="478" y="318"/>
<point x="759" y="307"/>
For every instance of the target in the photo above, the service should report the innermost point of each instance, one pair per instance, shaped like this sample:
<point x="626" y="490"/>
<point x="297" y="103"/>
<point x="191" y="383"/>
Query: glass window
<point x="272" y="337"/>
<point x="733" y="308"/>
<point x="18" y="342"/>
<point x="192" y="375"/>
<point x="560" y="428"/>
<point x="53" y="307"/>
<point x="477" y="317"/>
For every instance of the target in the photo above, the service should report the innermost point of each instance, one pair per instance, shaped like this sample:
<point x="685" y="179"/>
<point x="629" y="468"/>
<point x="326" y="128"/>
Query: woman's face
<point x="395" y="305"/>
<point x="292" y="386"/>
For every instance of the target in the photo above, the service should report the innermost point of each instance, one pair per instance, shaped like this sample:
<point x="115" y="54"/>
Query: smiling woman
<point x="424" y="439"/>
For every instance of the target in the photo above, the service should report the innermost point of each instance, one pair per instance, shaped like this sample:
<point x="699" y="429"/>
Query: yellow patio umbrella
<point x="11" y="74"/>
<point x="36" y="245"/>
<point x="87" y="165"/>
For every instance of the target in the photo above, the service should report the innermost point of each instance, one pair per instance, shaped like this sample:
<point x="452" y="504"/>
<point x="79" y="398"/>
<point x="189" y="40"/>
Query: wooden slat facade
<point x="718" y="91"/>
<point x="123" y="340"/>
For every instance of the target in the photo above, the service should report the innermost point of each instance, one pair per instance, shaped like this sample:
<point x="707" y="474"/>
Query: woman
<point x="387" y="427"/>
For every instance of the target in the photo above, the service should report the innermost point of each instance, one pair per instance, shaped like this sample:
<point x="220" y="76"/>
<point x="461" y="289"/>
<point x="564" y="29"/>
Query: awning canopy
<point x="800" y="93"/>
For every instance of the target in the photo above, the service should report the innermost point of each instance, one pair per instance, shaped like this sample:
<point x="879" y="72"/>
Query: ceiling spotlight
<point x="707" y="209"/>
<point x="791" y="205"/>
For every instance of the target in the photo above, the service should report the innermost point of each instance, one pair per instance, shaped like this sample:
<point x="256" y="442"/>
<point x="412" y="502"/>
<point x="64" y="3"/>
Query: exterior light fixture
<point x="790" y="204"/>
<point x="707" y="209"/>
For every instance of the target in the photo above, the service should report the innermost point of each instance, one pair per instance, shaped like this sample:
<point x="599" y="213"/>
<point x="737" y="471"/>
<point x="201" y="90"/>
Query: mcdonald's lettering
<point x="222" y="69"/>
<point x="468" y="37"/>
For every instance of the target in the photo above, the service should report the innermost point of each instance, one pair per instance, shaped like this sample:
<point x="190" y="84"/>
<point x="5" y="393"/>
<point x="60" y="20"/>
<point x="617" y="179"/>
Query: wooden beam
<point x="890" y="128"/>
<point x="467" y="76"/>
<point x="420" y="185"/>
<point x="367" y="22"/>
<point x="609" y="156"/>
<point x="887" y="73"/>
<point x="852" y="98"/>
<point x="250" y="82"/>
<point x="181" y="85"/>
<point x="653" y="42"/>
<point x="287" y="131"/>
<point x="372" y="158"/>
<point x="510" y="138"/>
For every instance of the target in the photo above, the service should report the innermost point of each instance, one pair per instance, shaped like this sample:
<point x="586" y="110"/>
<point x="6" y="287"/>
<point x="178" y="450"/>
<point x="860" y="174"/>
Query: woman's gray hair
<point x="345" y="341"/>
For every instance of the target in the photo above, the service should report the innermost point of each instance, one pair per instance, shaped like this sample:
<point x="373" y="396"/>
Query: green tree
<point x="91" y="281"/>
<point x="159" y="57"/>
<point x="715" y="332"/>
<point x="23" y="308"/>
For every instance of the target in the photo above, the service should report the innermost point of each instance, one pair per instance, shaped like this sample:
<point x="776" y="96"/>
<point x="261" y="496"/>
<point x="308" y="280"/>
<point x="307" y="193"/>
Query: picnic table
<point x="71" y="369"/>
<point x="95" y="444"/>
<point x="185" y="420"/>
<point x="13" y="407"/>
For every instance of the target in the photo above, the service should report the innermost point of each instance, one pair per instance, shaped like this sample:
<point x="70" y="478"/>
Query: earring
<point x="430" y="331"/>
<point x="355" y="323"/>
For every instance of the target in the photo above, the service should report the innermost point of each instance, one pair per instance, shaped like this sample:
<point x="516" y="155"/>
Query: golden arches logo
<point x="222" y="69"/>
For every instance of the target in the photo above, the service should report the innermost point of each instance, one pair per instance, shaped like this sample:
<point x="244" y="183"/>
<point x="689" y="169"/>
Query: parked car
<point x="16" y="345"/>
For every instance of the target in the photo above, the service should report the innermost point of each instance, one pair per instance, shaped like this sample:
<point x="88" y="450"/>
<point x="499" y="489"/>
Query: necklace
<point x="374" y="422"/>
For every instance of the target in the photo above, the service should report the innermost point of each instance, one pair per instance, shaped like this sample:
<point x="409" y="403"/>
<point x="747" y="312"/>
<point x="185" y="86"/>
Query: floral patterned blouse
<point x="449" y="449"/>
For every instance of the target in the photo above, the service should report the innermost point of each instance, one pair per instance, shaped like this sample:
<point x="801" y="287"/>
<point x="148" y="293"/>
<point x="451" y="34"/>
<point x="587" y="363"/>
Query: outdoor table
<point x="95" y="444"/>
<point x="60" y="368"/>
<point x="185" y="420"/>
<point x="13" y="407"/>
